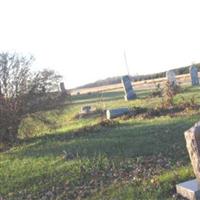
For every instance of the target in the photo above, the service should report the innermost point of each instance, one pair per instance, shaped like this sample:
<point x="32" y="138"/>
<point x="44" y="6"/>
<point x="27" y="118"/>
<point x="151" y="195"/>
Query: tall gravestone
<point x="194" y="75"/>
<point x="62" y="88"/>
<point x="191" y="189"/>
<point x="171" y="77"/>
<point x="128" y="89"/>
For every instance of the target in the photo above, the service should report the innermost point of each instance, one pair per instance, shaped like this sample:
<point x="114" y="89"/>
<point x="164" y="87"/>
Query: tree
<point x="22" y="92"/>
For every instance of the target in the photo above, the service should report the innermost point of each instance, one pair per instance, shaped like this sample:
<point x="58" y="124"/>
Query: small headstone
<point x="191" y="189"/>
<point x="171" y="77"/>
<point x="113" y="113"/>
<point x="86" y="109"/>
<point x="128" y="89"/>
<point x="194" y="75"/>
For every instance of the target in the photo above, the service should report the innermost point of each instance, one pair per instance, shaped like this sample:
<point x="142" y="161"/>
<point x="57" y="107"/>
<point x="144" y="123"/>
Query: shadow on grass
<point x="127" y="141"/>
<point x="106" y="96"/>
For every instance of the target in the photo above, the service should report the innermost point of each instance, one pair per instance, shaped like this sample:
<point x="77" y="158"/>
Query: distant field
<point x="181" y="79"/>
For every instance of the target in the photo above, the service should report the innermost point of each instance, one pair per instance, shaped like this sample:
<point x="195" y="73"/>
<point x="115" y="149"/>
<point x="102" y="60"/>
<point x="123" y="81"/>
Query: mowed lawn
<point x="70" y="158"/>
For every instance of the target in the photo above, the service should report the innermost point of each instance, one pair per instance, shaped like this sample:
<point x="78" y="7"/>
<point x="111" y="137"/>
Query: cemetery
<point x="99" y="100"/>
<point x="115" y="144"/>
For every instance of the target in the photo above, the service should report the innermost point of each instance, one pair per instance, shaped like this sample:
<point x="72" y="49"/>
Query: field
<point x="90" y="158"/>
<point x="146" y="84"/>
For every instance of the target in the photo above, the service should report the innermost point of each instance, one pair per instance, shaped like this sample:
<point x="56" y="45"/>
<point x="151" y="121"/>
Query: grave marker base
<point x="189" y="189"/>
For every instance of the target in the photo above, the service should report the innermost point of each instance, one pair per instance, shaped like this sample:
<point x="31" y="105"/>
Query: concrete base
<point x="189" y="189"/>
<point x="128" y="98"/>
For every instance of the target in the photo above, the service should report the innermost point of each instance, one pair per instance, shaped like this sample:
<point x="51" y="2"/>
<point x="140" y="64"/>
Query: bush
<point x="22" y="92"/>
<point x="170" y="90"/>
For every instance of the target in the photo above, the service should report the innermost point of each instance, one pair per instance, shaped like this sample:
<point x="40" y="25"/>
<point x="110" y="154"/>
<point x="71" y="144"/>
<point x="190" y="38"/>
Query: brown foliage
<point x="157" y="92"/>
<point x="170" y="90"/>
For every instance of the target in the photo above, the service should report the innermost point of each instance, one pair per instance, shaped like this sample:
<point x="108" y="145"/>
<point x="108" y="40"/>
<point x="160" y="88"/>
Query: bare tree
<point x="21" y="92"/>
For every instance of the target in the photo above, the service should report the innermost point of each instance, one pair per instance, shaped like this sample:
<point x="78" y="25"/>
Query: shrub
<point x="22" y="92"/>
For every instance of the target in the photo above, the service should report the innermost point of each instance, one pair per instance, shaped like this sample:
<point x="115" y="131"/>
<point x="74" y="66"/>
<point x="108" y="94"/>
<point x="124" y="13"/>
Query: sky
<point x="85" y="40"/>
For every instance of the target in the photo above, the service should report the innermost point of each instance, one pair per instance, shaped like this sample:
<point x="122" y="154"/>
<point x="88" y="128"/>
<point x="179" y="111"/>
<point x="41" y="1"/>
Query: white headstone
<point x="171" y="77"/>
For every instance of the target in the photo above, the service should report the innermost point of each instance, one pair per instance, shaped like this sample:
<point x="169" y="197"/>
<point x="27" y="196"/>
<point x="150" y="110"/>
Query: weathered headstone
<point x="171" y="77"/>
<point x="85" y="109"/>
<point x="113" y="113"/>
<point x="128" y="89"/>
<point x="194" y="75"/>
<point x="192" y="137"/>
<point x="191" y="189"/>
<point x="62" y="88"/>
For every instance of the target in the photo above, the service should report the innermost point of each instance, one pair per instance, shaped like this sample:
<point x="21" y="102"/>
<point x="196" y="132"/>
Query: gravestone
<point x="191" y="189"/>
<point x="62" y="88"/>
<point x="171" y="77"/>
<point x="128" y="89"/>
<point x="86" y="109"/>
<point x="113" y="113"/>
<point x="194" y="75"/>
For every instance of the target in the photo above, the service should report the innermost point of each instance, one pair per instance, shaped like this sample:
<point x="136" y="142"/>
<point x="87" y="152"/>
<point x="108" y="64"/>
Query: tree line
<point x="117" y="79"/>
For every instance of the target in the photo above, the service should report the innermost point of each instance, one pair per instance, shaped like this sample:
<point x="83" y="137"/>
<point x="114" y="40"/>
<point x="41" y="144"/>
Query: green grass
<point x="131" y="159"/>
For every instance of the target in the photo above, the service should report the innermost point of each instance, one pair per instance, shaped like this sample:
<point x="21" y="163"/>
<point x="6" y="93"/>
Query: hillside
<point x="63" y="156"/>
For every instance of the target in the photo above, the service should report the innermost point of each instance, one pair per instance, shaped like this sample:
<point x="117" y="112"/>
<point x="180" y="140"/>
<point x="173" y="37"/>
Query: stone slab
<point x="110" y="114"/>
<point x="189" y="189"/>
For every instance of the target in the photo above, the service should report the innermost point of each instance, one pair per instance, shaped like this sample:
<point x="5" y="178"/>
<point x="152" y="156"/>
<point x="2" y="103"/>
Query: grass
<point x="67" y="158"/>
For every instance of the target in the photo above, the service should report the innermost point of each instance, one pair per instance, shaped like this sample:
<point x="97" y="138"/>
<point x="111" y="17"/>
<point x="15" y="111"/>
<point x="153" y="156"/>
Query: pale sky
<point x="84" y="40"/>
